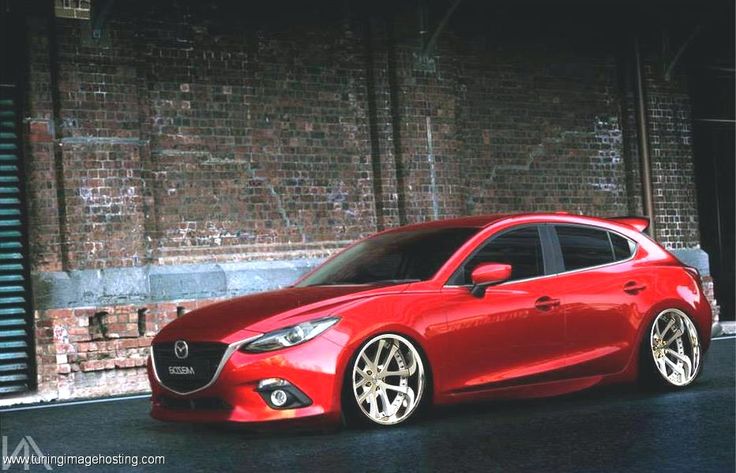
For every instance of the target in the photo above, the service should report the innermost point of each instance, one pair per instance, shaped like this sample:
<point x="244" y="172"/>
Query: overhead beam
<point x="429" y="46"/>
<point x="676" y="58"/>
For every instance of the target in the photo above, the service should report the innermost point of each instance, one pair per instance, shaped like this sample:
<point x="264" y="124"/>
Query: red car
<point x="502" y="306"/>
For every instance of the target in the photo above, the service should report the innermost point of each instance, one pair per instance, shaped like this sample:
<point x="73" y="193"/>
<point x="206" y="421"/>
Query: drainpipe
<point x="642" y="132"/>
<point x="56" y="123"/>
<point x="422" y="20"/>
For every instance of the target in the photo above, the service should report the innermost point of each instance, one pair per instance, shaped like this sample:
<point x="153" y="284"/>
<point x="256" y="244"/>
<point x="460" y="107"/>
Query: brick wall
<point x="543" y="133"/>
<point x="184" y="138"/>
<point x="44" y="205"/>
<point x="670" y="128"/>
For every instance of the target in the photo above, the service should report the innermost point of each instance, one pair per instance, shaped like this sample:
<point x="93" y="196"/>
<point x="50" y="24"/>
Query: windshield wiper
<point x="393" y="281"/>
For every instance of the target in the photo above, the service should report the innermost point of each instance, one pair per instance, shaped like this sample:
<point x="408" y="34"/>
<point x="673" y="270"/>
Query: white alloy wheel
<point x="675" y="347"/>
<point x="388" y="379"/>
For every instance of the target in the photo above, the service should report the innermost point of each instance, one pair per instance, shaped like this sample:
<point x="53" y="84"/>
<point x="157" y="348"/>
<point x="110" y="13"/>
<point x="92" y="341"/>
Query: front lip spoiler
<point x="226" y="356"/>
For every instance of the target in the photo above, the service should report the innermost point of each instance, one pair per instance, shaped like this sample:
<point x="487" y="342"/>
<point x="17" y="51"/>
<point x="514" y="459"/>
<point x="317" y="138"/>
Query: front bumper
<point x="312" y="367"/>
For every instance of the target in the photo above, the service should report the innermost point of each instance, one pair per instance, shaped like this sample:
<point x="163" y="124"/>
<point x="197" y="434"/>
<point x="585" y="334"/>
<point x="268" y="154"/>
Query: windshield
<point x="405" y="256"/>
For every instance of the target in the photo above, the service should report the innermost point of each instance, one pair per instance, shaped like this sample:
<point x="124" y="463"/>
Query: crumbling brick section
<point x="707" y="282"/>
<point x="87" y="352"/>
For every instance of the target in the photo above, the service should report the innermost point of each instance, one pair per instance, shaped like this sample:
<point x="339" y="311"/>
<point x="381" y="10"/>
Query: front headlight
<point x="290" y="336"/>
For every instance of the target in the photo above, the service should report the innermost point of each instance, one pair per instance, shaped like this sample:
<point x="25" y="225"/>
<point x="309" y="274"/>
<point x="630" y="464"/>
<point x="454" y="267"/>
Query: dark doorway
<point x="711" y="79"/>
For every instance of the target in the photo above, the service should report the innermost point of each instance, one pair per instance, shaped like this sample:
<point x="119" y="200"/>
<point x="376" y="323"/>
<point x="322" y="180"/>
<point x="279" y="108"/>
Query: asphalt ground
<point x="616" y="429"/>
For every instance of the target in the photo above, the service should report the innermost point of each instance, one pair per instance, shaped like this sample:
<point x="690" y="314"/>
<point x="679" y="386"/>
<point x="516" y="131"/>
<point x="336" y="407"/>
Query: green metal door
<point x="16" y="319"/>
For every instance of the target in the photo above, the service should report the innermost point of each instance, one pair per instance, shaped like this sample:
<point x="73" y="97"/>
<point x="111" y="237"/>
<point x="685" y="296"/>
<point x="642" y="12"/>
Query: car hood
<point x="246" y="316"/>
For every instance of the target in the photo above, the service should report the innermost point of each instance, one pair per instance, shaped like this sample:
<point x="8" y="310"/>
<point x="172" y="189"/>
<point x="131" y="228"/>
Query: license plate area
<point x="193" y="369"/>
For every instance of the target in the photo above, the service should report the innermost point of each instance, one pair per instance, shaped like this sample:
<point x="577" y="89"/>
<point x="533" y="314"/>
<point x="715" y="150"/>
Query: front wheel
<point x="674" y="353"/>
<point x="386" y="380"/>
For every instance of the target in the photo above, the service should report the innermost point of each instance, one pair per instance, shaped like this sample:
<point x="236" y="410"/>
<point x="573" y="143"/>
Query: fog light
<point x="279" y="397"/>
<point x="280" y="394"/>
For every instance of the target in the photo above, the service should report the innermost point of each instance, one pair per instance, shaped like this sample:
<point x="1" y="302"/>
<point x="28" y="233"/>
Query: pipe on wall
<point x="643" y="135"/>
<point x="56" y="123"/>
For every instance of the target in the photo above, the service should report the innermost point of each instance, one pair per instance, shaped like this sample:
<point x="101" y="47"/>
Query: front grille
<point x="192" y="372"/>
<point x="202" y="403"/>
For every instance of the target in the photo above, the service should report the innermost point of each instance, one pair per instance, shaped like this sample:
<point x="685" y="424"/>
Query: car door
<point x="515" y="332"/>
<point x="599" y="291"/>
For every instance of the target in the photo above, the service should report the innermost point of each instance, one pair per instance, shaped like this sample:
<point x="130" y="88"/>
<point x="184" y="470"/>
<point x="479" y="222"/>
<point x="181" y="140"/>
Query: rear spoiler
<point x="639" y="223"/>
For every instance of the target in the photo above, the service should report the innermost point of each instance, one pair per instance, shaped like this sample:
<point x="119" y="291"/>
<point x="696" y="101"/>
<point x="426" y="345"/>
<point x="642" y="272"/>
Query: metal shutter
<point x="16" y="319"/>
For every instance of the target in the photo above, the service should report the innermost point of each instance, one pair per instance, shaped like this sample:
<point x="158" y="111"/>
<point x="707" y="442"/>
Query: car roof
<point x="475" y="221"/>
<point x="482" y="221"/>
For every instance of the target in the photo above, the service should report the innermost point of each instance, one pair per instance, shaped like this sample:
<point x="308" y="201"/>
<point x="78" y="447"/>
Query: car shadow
<point x="436" y="415"/>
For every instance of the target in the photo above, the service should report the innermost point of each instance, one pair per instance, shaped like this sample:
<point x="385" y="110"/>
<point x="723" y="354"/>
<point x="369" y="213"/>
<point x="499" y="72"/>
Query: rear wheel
<point x="386" y="380"/>
<point x="674" y="353"/>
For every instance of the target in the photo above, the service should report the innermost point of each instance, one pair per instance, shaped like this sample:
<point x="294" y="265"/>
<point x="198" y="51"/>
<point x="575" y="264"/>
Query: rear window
<point x="585" y="247"/>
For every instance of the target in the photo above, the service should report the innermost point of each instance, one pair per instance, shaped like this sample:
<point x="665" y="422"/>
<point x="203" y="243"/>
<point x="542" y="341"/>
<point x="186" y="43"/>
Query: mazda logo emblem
<point x="181" y="349"/>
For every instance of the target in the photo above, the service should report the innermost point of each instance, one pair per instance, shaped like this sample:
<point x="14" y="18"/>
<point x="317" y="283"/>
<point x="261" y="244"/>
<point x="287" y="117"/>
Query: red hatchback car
<point x="502" y="306"/>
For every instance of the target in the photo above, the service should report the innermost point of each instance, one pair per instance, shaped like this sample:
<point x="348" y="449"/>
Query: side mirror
<point x="486" y="274"/>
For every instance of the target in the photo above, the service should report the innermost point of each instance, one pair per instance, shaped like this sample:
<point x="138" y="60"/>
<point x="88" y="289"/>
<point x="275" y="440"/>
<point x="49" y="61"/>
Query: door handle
<point x="633" y="287"/>
<point x="546" y="303"/>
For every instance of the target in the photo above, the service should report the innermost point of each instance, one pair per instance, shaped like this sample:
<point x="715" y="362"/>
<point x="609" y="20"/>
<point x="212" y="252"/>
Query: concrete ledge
<point x="190" y="281"/>
<point x="727" y="328"/>
<point x="143" y="284"/>
<point x="695" y="257"/>
<point x="162" y="283"/>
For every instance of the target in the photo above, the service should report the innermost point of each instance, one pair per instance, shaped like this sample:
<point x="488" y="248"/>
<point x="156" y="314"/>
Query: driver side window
<point x="521" y="248"/>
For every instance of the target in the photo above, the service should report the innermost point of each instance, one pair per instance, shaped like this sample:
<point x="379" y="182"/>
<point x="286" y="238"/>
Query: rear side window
<point x="584" y="247"/>
<point x="623" y="248"/>
<point x="521" y="248"/>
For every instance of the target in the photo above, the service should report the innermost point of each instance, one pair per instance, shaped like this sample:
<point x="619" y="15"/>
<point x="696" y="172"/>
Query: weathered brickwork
<point x="479" y="131"/>
<point x="673" y="176"/>
<point x="184" y="137"/>
<point x="264" y="138"/>
<point x="98" y="351"/>
<point x="543" y="134"/>
<point x="41" y="173"/>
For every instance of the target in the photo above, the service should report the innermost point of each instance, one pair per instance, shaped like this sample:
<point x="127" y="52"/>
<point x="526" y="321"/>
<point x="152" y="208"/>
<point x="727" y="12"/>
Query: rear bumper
<point x="311" y="367"/>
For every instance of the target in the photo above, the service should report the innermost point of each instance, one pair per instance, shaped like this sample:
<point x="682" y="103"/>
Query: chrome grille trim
<point x="226" y="356"/>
